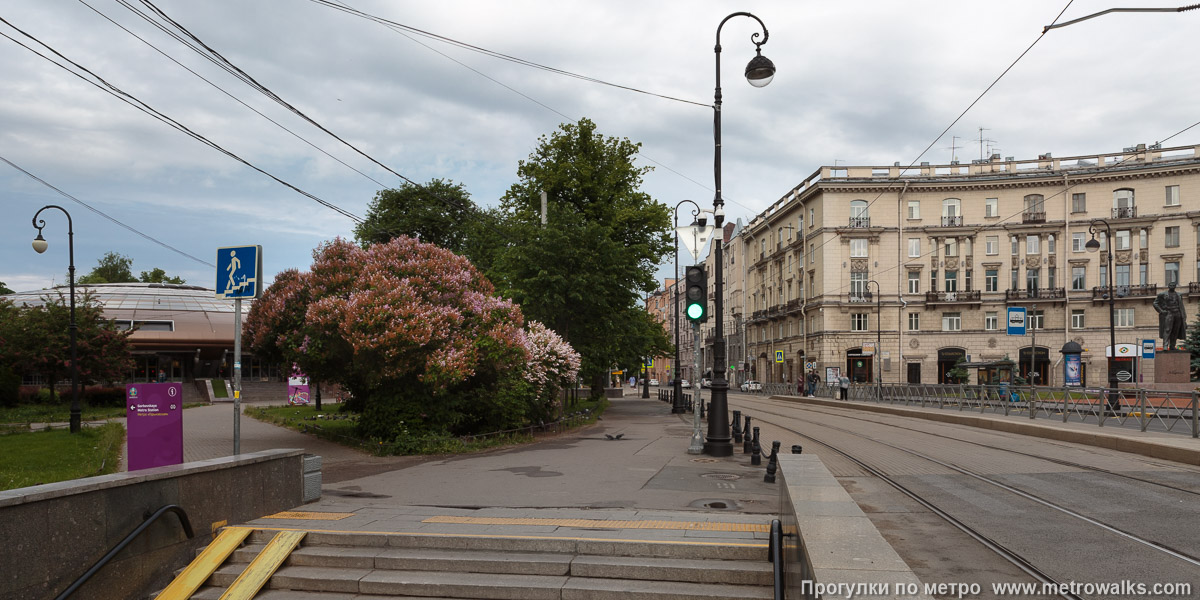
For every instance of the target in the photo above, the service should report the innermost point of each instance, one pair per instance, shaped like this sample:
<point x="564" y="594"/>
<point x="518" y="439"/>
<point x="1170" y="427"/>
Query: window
<point x="812" y="254"/>
<point x="990" y="320"/>
<point x="1143" y="274"/>
<point x="1172" y="237"/>
<point x="1015" y="282"/>
<point x="1032" y="279"/>
<point x="858" y="322"/>
<point x="1037" y="319"/>
<point x="1103" y="275"/>
<point x="1078" y="278"/>
<point x="762" y="248"/>
<point x="1033" y="244"/>
<point x="1051" y="244"/>
<point x="1051" y="277"/>
<point x="967" y="280"/>
<point x="1123" y="239"/>
<point x="914" y="282"/>
<point x="1172" y="273"/>
<point x="1123" y="203"/>
<point x="811" y="218"/>
<point x="1123" y="317"/>
<point x="1077" y="318"/>
<point x="952" y="247"/>
<point x="952" y="321"/>
<point x="991" y="280"/>
<point x="1121" y="275"/>
<point x="858" y="248"/>
<point x="858" y="284"/>
<point x="1078" y="203"/>
<point x="951" y="281"/>
<point x="991" y="207"/>
<point x="1016" y="246"/>
<point x="991" y="245"/>
<point x="1172" y="195"/>
<point x="859" y="211"/>
<point x="914" y="209"/>
<point x="1034" y="203"/>
<point x="914" y="321"/>
<point x="914" y="247"/>
<point x="933" y="280"/>
<point x="951" y="207"/>
<point x="1077" y="242"/>
<point x="1143" y="239"/>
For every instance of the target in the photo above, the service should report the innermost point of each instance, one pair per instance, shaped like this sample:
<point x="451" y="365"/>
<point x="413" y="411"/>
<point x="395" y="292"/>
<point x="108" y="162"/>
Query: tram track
<point x="769" y="413"/>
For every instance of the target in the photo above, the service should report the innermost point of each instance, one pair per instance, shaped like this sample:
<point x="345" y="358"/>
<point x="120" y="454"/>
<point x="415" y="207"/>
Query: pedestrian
<point x="844" y="386"/>
<point x="812" y="383"/>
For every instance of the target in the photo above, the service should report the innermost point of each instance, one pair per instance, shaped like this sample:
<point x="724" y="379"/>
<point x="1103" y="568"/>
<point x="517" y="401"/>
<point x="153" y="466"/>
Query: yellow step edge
<point x="247" y="585"/>
<point x="603" y="523"/>
<point x="196" y="573"/>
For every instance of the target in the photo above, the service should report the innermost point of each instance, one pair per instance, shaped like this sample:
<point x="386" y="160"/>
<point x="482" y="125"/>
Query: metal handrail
<point x="183" y="521"/>
<point x="775" y="556"/>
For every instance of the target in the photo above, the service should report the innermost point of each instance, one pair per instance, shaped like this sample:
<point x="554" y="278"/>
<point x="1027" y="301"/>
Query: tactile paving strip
<point x="606" y="524"/>
<point x="309" y="516"/>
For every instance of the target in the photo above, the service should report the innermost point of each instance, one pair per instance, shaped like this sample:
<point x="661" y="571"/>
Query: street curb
<point x="1185" y="450"/>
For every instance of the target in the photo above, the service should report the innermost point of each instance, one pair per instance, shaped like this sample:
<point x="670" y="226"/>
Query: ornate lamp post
<point x="39" y="246"/>
<point x="678" y="406"/>
<point x="1114" y="402"/>
<point x="759" y="73"/>
<point x="877" y="358"/>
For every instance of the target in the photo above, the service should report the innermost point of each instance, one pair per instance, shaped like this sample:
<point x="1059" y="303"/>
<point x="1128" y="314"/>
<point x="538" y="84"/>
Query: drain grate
<point x="704" y="460"/>
<point x="722" y="476"/>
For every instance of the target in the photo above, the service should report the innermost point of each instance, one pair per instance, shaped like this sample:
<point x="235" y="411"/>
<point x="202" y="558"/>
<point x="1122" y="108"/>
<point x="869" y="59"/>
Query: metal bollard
<point x="756" y="450"/>
<point x="747" y="441"/>
<point x="797" y="449"/>
<point x="737" y="426"/>
<point x="702" y="408"/>
<point x="773" y="463"/>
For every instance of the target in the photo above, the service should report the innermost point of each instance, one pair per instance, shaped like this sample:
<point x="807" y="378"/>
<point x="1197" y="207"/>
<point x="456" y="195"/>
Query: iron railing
<point x="1124" y="212"/>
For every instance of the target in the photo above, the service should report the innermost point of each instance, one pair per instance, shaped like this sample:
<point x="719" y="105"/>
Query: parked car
<point x="684" y="383"/>
<point x="751" y="386"/>
<point x="653" y="382"/>
<point x="705" y="383"/>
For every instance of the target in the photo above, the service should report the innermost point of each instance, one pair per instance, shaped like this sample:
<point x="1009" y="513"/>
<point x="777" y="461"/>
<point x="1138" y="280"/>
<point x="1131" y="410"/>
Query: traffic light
<point x="696" y="294"/>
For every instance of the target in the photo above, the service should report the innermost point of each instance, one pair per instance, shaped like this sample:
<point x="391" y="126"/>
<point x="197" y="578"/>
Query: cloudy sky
<point x="859" y="82"/>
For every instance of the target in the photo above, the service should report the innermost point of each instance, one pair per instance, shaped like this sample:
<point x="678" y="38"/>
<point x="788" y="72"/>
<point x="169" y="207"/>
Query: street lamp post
<point x="759" y="73"/>
<point x="678" y="406"/>
<point x="1093" y="245"/>
<point x="39" y="246"/>
<point x="877" y="358"/>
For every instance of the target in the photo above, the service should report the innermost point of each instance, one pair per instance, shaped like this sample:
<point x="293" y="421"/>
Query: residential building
<point x="950" y="248"/>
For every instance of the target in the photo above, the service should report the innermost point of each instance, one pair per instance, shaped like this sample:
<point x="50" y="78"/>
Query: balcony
<point x="1125" y="212"/>
<point x="860" y="297"/>
<point x="793" y="305"/>
<point x="1035" y="294"/>
<point x="951" y="297"/>
<point x="952" y="221"/>
<point x="1126" y="291"/>
<point x="1030" y="216"/>
<point x="860" y="222"/>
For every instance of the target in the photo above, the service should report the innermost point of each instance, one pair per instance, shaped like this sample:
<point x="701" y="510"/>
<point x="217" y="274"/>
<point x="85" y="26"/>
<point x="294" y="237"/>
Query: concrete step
<point x="413" y="559"/>
<point x="584" y="588"/>
<point x="735" y="572"/>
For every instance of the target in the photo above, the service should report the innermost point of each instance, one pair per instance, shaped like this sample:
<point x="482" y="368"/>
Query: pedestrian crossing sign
<point x="779" y="356"/>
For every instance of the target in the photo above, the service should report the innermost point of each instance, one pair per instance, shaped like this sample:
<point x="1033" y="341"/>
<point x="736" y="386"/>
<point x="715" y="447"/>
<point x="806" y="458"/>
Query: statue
<point x="1172" y="322"/>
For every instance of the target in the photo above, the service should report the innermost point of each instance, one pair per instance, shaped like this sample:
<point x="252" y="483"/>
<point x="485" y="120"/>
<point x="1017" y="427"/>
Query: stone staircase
<point x="345" y="565"/>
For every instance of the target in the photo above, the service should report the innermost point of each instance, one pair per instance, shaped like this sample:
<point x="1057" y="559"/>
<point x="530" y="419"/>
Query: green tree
<point x="159" y="276"/>
<point x="4" y="289"/>
<point x="583" y="274"/>
<point x="1192" y="343"/>
<point x="111" y="268"/>
<point x="439" y="213"/>
<point x="35" y="339"/>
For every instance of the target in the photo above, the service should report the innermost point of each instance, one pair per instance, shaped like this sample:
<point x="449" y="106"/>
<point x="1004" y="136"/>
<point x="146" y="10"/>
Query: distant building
<point x="182" y="330"/>
<point x="952" y="247"/>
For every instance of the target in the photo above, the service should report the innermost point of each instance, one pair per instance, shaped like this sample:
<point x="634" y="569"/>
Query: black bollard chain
<point x="756" y="454"/>
<point x="737" y="426"/>
<point x="747" y="440"/>
<point x="772" y="463"/>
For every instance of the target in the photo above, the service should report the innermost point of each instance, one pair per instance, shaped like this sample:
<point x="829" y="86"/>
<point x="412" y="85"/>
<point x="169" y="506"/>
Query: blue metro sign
<point x="239" y="272"/>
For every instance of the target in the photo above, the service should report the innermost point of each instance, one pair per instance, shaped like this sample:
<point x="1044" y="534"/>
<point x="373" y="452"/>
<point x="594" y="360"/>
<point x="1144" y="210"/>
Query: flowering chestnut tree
<point x="414" y="332"/>
<point x="552" y="364"/>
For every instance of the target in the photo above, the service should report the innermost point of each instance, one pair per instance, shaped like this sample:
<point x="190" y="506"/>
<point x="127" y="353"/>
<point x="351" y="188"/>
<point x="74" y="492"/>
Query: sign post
<point x="239" y="275"/>
<point x="1016" y="320"/>
<point x="154" y="424"/>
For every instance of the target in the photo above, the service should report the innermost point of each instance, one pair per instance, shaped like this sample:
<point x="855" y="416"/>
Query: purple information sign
<point x="154" y="420"/>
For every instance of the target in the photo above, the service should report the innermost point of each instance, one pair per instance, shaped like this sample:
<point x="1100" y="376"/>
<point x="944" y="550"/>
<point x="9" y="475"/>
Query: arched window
<point x="1035" y="203"/>
<point x="951" y="212"/>
<point x="1123" y="205"/>
<point x="859" y="217"/>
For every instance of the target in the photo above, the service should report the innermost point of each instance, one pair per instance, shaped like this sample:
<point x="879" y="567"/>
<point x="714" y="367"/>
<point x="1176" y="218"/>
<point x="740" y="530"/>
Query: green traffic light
<point x="695" y="311"/>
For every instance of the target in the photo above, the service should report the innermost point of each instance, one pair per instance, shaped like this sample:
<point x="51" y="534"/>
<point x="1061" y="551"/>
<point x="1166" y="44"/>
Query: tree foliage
<point x="414" y="332"/>
<point x="157" y="275"/>
<point x="36" y="339"/>
<point x="113" y="267"/>
<point x="4" y="289"/>
<point x="439" y="212"/>
<point x="583" y="273"/>
<point x="1192" y="343"/>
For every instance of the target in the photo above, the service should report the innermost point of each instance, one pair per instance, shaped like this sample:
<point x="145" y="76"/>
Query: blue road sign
<point x="1016" y="320"/>
<point x="779" y="356"/>
<point x="1148" y="349"/>
<point x="239" y="272"/>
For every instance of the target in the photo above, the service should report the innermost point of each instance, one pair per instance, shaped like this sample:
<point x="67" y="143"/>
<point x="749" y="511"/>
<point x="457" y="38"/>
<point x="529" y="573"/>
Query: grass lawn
<point x="32" y="458"/>
<point x="339" y="428"/>
<point x="57" y="413"/>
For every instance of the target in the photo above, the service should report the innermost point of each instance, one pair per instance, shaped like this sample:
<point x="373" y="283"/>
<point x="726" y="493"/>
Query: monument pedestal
<point x="1172" y="366"/>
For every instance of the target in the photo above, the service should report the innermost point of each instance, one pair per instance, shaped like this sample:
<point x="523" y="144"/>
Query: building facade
<point x="895" y="274"/>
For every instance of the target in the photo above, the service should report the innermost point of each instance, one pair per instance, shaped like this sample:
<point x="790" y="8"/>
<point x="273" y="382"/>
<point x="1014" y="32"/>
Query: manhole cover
<point x="704" y="460"/>
<point x="722" y="476"/>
